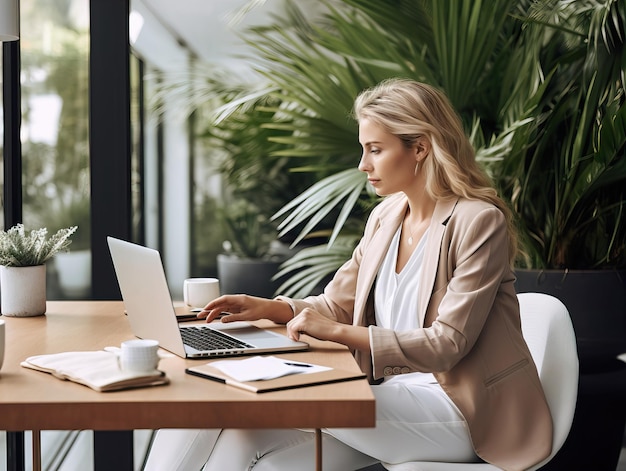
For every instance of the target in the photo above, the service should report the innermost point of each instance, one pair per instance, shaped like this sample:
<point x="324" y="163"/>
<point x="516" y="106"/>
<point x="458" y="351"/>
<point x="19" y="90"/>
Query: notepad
<point x="266" y="374"/>
<point x="259" y="368"/>
<point x="98" y="370"/>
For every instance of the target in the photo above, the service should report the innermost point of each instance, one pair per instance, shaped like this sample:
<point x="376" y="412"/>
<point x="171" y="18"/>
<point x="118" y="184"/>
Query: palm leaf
<point x="310" y="266"/>
<point x="318" y="201"/>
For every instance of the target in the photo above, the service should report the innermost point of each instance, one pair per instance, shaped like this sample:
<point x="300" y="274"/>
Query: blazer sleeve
<point x="473" y="264"/>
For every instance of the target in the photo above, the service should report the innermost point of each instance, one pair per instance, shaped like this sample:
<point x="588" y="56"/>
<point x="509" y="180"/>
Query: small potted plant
<point x="251" y="255"/>
<point x="23" y="255"/>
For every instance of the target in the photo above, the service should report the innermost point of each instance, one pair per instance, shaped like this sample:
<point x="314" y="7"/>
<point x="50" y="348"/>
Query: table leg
<point x="113" y="450"/>
<point x="36" y="450"/>
<point x="318" y="449"/>
<point x="15" y="451"/>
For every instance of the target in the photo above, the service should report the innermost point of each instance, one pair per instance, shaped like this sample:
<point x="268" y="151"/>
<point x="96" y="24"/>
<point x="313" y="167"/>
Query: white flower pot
<point x="23" y="291"/>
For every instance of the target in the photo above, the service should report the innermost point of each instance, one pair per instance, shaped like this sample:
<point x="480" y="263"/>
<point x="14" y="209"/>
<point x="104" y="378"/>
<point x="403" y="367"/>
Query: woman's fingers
<point x="236" y="306"/>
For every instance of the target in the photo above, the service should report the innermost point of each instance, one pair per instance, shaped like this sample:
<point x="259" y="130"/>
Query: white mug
<point x="2" y="335"/>
<point x="139" y="355"/>
<point x="198" y="292"/>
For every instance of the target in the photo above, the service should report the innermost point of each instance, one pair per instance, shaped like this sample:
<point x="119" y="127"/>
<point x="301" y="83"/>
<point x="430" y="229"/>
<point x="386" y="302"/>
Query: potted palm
<point x="251" y="253"/>
<point x="256" y="184"/>
<point x="564" y="173"/>
<point x="23" y="255"/>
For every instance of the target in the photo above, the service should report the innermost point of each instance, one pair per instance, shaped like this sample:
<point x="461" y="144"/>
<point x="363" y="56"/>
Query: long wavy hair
<point x="409" y="110"/>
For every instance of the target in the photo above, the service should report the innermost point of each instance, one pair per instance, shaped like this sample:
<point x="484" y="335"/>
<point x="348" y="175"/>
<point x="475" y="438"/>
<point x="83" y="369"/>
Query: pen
<point x="303" y="365"/>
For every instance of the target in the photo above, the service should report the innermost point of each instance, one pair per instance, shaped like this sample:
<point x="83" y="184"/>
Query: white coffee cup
<point x="198" y="292"/>
<point x="2" y="336"/>
<point x="139" y="355"/>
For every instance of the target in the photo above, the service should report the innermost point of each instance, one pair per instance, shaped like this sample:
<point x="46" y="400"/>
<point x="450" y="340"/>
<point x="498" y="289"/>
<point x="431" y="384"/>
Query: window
<point x="54" y="49"/>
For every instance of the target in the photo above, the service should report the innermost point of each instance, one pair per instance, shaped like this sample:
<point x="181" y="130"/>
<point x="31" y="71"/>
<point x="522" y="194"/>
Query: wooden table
<point x="31" y="400"/>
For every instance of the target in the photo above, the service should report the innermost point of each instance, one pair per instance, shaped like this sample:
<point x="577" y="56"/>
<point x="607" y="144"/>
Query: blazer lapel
<point x="373" y="256"/>
<point x="432" y="253"/>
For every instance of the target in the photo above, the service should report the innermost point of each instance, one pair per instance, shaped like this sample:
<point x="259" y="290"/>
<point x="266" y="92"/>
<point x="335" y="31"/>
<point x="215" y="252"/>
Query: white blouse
<point x="396" y="297"/>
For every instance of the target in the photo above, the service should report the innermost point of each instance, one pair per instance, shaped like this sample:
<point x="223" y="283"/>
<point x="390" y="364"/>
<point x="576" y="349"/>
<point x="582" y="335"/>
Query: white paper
<point x="259" y="368"/>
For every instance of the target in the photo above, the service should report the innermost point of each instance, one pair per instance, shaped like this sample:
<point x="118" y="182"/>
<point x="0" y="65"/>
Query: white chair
<point x="548" y="331"/>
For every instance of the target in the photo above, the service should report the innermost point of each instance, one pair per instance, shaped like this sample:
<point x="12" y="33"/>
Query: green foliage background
<point x="538" y="84"/>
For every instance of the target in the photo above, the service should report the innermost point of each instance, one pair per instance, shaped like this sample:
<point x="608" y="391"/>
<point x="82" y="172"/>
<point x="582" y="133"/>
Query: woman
<point x="426" y="303"/>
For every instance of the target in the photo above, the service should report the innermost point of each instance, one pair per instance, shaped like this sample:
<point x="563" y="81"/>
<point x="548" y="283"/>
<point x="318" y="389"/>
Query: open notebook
<point x="99" y="370"/>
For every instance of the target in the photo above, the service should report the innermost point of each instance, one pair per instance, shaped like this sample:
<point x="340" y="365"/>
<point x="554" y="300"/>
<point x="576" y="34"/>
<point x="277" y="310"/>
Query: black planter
<point x="596" y="436"/>
<point x="247" y="276"/>
<point x="596" y="301"/>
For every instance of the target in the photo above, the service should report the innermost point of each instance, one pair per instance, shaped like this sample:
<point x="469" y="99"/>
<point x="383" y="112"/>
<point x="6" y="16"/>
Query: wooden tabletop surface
<point x="32" y="400"/>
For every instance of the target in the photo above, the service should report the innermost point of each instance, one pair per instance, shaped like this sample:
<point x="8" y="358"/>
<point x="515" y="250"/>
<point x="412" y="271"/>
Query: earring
<point x="417" y="168"/>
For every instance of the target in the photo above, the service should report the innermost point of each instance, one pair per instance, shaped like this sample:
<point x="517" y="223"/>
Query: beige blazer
<point x="470" y="336"/>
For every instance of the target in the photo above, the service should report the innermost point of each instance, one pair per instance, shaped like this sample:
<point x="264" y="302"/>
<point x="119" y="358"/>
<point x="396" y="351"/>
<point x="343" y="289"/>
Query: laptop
<point x="151" y="313"/>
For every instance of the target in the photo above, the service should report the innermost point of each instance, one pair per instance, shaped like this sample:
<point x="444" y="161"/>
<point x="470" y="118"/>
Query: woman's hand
<point x="312" y="323"/>
<point x="241" y="307"/>
<point x="316" y="325"/>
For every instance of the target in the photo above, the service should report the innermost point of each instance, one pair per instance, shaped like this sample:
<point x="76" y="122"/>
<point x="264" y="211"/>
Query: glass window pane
<point x="55" y="133"/>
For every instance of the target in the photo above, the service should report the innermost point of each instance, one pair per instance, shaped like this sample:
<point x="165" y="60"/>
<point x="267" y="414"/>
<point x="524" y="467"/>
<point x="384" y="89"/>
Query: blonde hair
<point x="410" y="110"/>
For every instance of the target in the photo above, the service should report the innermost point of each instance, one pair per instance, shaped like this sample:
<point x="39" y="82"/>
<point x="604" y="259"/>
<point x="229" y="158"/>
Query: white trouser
<point x="414" y="422"/>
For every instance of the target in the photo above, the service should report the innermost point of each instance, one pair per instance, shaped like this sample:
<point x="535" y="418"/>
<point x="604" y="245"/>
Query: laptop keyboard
<point x="209" y="339"/>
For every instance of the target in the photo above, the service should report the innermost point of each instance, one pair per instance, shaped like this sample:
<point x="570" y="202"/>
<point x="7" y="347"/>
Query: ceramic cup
<point x="1" y="342"/>
<point x="139" y="355"/>
<point x="198" y="292"/>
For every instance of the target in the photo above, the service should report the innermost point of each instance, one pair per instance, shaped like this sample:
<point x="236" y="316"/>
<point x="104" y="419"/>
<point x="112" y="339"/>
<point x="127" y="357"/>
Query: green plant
<point x="20" y="248"/>
<point x="539" y="86"/>
<point x="564" y="168"/>
<point x="248" y="233"/>
<point x="256" y="182"/>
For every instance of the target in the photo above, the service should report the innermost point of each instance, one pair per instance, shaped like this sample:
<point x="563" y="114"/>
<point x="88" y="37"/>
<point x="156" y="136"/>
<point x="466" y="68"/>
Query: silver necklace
<point x="420" y="224"/>
<point x="410" y="239"/>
